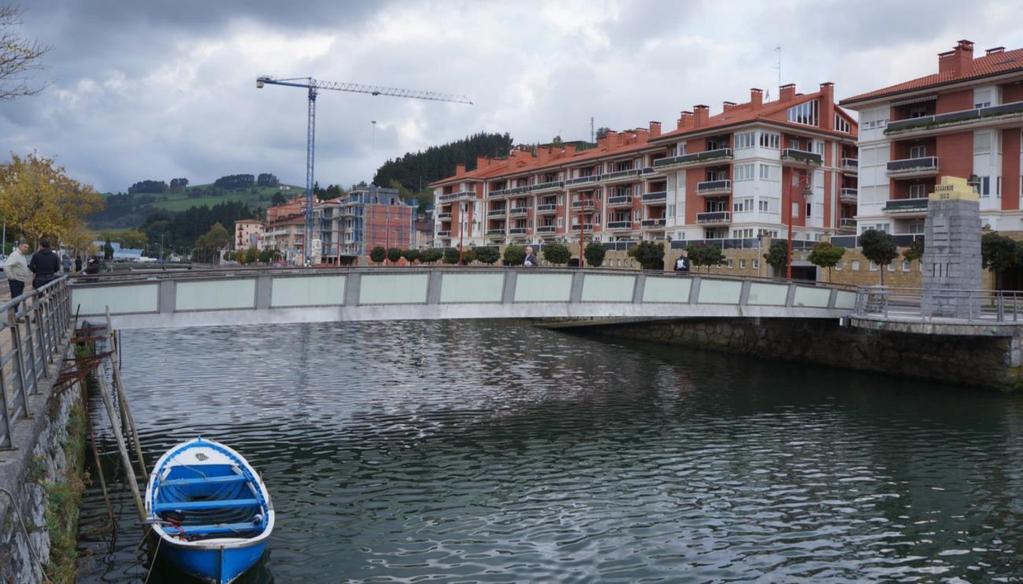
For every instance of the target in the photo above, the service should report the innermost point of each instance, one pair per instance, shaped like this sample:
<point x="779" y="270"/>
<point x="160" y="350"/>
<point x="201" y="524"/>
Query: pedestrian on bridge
<point x="45" y="264"/>
<point x="17" y="270"/>
<point x="530" y="261"/>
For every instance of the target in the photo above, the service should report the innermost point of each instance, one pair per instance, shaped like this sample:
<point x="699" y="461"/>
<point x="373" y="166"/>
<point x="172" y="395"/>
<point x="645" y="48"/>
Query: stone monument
<point x="952" y="259"/>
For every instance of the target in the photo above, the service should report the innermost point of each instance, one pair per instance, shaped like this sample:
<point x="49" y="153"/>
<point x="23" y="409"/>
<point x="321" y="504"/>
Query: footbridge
<point x="277" y="295"/>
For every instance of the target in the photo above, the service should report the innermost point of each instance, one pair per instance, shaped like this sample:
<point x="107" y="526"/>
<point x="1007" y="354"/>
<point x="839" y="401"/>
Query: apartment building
<point x="723" y="176"/>
<point x="964" y="121"/>
<point x="352" y="225"/>
<point x="248" y="233"/>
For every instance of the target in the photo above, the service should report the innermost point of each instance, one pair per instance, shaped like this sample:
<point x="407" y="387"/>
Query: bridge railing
<point x="894" y="303"/>
<point x="36" y="328"/>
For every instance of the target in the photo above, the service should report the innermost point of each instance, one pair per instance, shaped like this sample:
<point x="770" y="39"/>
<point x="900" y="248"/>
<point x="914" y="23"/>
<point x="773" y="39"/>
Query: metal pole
<point x="461" y="231"/>
<point x="104" y="391"/>
<point x="309" y="164"/>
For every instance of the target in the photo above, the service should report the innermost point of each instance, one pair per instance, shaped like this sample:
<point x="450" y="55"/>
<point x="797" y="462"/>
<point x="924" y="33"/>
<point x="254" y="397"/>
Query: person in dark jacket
<point x="78" y="264"/>
<point x="45" y="265"/>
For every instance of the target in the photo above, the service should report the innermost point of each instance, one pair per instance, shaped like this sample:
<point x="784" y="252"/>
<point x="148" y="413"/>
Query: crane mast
<point x="312" y="86"/>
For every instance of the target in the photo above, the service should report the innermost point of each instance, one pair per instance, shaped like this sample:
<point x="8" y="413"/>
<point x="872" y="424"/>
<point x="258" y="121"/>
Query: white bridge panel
<point x="845" y="300"/>
<point x="215" y="295"/>
<point x="768" y="294"/>
<point x="393" y="289"/>
<point x="471" y="288"/>
<point x="720" y="292"/>
<point x="120" y="299"/>
<point x="308" y="291"/>
<point x="600" y="288"/>
<point x="543" y="287"/>
<point x="815" y="297"/>
<point x="661" y="289"/>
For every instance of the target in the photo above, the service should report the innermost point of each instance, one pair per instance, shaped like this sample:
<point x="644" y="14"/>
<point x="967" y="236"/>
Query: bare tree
<point x="18" y="55"/>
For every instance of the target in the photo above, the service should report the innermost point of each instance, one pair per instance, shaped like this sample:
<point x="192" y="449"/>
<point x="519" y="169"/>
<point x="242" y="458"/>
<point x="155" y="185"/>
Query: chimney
<point x="459" y="169"/>
<point x="701" y="114"/>
<point x="827" y="105"/>
<point x="958" y="61"/>
<point x="727" y="105"/>
<point x="787" y="92"/>
<point x="995" y="51"/>
<point x="482" y="162"/>
<point x="569" y="149"/>
<point x="756" y="98"/>
<point x="655" y="129"/>
<point x="685" y="120"/>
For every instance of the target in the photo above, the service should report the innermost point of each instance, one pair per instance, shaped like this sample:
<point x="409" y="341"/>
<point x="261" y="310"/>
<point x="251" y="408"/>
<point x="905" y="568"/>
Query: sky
<point x="166" y="88"/>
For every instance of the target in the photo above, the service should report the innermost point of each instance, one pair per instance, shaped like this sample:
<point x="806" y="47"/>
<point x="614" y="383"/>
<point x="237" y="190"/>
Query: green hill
<point x="131" y="210"/>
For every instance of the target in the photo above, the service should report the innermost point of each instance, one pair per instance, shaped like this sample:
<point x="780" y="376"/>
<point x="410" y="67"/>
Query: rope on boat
<point x="152" y="563"/>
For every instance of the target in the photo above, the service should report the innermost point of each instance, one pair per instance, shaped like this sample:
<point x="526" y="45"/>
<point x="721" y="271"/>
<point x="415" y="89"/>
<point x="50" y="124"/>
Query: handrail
<point x="955" y="305"/>
<point x="37" y="325"/>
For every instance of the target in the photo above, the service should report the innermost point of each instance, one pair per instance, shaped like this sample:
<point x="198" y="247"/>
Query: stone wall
<point x="46" y="464"/>
<point x="974" y="361"/>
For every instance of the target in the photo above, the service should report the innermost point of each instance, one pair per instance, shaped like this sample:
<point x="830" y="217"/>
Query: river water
<point x="495" y="452"/>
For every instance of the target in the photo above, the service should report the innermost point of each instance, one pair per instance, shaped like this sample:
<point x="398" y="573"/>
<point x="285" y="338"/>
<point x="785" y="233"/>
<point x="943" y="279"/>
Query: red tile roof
<point x="986" y="66"/>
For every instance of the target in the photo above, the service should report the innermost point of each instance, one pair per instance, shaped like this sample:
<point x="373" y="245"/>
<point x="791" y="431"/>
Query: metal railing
<point x="714" y="217"/>
<point x="655" y="196"/>
<point x="912" y="304"/>
<point x="713" y="186"/>
<point x="801" y="156"/>
<point x="37" y="326"/>
<point x="914" y="205"/>
<point x="908" y="165"/>
<point x="970" y="115"/>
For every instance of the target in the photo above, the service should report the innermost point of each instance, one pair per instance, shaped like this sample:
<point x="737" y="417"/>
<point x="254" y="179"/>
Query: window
<point x="809" y="209"/>
<point x="744" y="172"/>
<point x="744" y="140"/>
<point x="804" y="113"/>
<point x="841" y="125"/>
<point x="561" y="222"/>
<point x="981" y="142"/>
<point x="982" y="97"/>
<point x="918" y="151"/>
<point x="838" y="267"/>
<point x="998" y="187"/>
<point x="873" y="266"/>
<point x="855" y="265"/>
<point x="742" y="264"/>
<point x="637" y="216"/>
<point x="917" y="191"/>
<point x="818" y="147"/>
<point x="681" y="149"/>
<point x="984" y="188"/>
<point x="905" y="265"/>
<point x="762" y="206"/>
<point x="769" y="140"/>
<point x="730" y="264"/>
<point x="755" y="264"/>
<point x="742" y="205"/>
<point x="918" y="110"/>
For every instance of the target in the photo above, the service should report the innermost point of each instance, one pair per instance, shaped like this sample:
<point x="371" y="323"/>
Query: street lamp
<point x="461" y="230"/>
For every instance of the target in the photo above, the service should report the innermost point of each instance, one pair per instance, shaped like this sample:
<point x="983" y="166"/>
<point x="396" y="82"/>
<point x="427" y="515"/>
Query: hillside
<point x="131" y="210"/>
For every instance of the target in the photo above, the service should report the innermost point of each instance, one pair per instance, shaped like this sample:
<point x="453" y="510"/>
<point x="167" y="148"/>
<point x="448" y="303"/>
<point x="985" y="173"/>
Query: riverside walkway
<point x="275" y="295"/>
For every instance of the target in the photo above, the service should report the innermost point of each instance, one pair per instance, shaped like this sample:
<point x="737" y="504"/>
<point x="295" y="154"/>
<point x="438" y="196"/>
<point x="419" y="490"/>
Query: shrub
<point x="488" y="255"/>
<point x="378" y="254"/>
<point x="705" y="255"/>
<point x="514" y="255"/>
<point x="430" y="256"/>
<point x="450" y="256"/>
<point x="393" y="254"/>
<point x="879" y="247"/>
<point x="649" y="254"/>
<point x="556" y="253"/>
<point x="410" y="255"/>
<point x="594" y="254"/>
<point x="468" y="256"/>
<point x="915" y="251"/>
<point x="777" y="255"/>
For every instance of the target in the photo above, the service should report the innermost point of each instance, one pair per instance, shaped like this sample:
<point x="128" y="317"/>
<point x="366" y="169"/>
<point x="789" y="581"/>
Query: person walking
<point x="530" y="261"/>
<point x="17" y="270"/>
<point x="78" y="264"/>
<point x="45" y="265"/>
<point x="682" y="263"/>
<point x="66" y="263"/>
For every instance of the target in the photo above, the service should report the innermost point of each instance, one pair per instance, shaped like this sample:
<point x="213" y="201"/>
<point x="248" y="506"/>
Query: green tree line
<point x="414" y="170"/>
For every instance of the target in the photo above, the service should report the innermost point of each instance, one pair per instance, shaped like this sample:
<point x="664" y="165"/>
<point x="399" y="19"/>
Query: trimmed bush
<point x="594" y="254"/>
<point x="378" y="254"/>
<point x="556" y="253"/>
<point x="410" y="255"/>
<point x="450" y="256"/>
<point x="393" y="254"/>
<point x="514" y="255"/>
<point x="649" y="254"/>
<point x="488" y="255"/>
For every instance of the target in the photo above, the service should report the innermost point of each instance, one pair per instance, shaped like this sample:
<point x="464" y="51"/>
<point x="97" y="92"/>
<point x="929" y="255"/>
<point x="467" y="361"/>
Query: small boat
<point x="210" y="510"/>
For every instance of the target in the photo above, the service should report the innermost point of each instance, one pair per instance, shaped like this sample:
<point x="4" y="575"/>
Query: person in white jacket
<point x="17" y="270"/>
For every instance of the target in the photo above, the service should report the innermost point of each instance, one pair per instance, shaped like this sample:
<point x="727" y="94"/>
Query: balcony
<point x="800" y="157"/>
<point x="848" y="196"/>
<point x="582" y="180"/>
<point x="654" y="222"/>
<point x="547" y="208"/>
<point x="713" y="187"/>
<point x="619" y="225"/>
<point x="621" y="174"/>
<point x="445" y="233"/>
<point x="498" y="211"/>
<point x="906" y="206"/>
<point x="518" y="211"/>
<point x="547" y="186"/>
<point x="847" y="224"/>
<point x="973" y="117"/>
<point x="655" y="196"/>
<point x="444" y="216"/>
<point x="518" y="231"/>
<point x="587" y="205"/>
<point x="508" y="191"/>
<point x="458" y="196"/>
<point x="694" y="159"/>
<point x="714" y="218"/>
<point x="497" y="231"/>
<point x="850" y="165"/>
<point x="546" y="229"/>
<point x="913" y="167"/>
<point x="620" y="201"/>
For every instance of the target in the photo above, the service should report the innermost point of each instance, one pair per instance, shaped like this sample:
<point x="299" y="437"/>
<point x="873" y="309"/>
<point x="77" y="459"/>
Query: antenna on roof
<point x="778" y="66"/>
<point x="592" y="135"/>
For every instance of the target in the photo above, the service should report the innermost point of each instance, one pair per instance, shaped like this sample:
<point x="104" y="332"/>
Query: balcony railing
<point x="971" y="115"/>
<point x="445" y="233"/>
<point x="801" y="156"/>
<point x="547" y="185"/>
<point x="457" y="196"/>
<point x="714" y="187"/>
<point x="906" y="205"/>
<point x="518" y="211"/>
<point x="498" y="210"/>
<point x="619" y="225"/>
<point x="546" y="229"/>
<point x="443" y="216"/>
<point x="847" y="223"/>
<point x="583" y="179"/>
<point x="622" y="174"/>
<point x="587" y="204"/>
<point x="517" y="231"/>
<point x="654" y="222"/>
<point x="924" y="165"/>
<point x="714" y="217"/>
<point x="498" y="231"/>
<point x="509" y="191"/>
<point x="848" y="195"/>
<point x="694" y="158"/>
<point x="850" y="164"/>
<point x="547" y="208"/>
<point x="619" y="201"/>
<point x="655" y="196"/>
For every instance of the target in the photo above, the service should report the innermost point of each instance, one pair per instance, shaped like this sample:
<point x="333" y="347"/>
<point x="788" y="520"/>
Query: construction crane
<point x="314" y="85"/>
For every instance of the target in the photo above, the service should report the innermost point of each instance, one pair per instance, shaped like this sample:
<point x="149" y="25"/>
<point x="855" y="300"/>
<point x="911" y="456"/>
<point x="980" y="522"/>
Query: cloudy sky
<point x="161" y="89"/>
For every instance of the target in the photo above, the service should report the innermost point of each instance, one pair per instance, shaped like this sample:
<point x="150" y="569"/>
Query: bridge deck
<point x="238" y="297"/>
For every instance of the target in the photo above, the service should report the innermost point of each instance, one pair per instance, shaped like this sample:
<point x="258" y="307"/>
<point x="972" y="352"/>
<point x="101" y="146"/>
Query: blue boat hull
<point x="216" y="565"/>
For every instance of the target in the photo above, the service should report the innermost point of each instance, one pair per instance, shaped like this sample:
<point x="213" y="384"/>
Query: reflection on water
<point x="491" y="451"/>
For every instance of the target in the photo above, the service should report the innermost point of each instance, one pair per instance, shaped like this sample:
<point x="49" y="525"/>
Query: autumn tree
<point x="38" y="198"/>
<point x="18" y="55"/>
<point x="209" y="244"/>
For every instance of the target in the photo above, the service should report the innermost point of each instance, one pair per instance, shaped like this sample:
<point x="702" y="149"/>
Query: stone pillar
<point x="952" y="259"/>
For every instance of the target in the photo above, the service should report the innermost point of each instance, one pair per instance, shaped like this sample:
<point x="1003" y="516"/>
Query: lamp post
<point x="461" y="230"/>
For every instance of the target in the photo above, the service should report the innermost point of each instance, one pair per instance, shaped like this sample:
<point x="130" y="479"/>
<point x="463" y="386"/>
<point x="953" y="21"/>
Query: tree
<point x="38" y="198"/>
<point x="915" y="251"/>
<point x="556" y="253"/>
<point x="132" y="238"/>
<point x="265" y="256"/>
<point x="488" y="255"/>
<point x="649" y="254"/>
<point x="878" y="247"/>
<point x="825" y="255"/>
<point x="415" y="170"/>
<point x="468" y="256"/>
<point x="594" y="253"/>
<point x="410" y="255"/>
<point x="1000" y="254"/>
<point x="514" y="255"/>
<point x="430" y="256"/>
<point x="378" y="254"/>
<point x="278" y="199"/>
<point x="705" y="255"/>
<point x="602" y="131"/>
<point x="450" y="255"/>
<point x="393" y="254"/>
<point x="209" y="244"/>
<point x="266" y="179"/>
<point x="18" y="56"/>
<point x="777" y="255"/>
